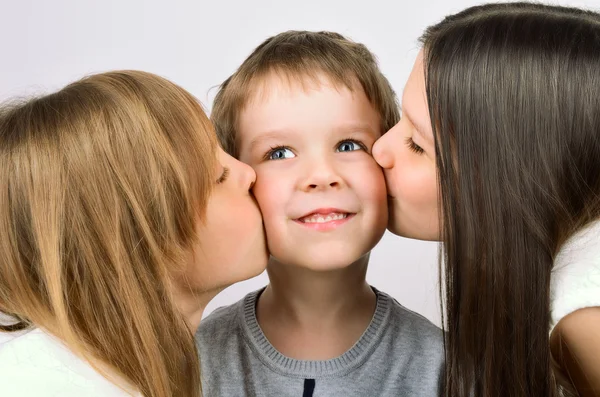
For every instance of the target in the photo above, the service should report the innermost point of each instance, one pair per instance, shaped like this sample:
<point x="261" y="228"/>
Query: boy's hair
<point x="297" y="55"/>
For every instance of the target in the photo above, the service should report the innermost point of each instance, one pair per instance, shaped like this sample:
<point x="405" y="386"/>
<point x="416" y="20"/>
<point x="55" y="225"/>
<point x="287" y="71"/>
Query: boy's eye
<point x="279" y="153"/>
<point x="349" y="146"/>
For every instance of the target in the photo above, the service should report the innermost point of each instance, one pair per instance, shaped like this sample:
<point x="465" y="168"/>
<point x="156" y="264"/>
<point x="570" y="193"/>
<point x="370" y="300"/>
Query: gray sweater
<point x="400" y="354"/>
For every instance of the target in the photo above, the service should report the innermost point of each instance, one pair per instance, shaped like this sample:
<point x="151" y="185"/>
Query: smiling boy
<point x="304" y="110"/>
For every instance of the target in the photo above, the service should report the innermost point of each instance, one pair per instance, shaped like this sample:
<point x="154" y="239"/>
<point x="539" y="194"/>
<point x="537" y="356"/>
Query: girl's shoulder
<point x="35" y="363"/>
<point x="575" y="280"/>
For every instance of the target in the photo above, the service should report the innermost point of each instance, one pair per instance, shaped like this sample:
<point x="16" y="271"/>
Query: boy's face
<point x="321" y="193"/>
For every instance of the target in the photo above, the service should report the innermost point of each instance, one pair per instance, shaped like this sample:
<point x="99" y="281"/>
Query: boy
<point x="304" y="110"/>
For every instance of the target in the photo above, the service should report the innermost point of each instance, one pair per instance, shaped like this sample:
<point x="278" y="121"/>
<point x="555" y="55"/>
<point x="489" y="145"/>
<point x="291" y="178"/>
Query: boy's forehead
<point x="261" y="88"/>
<point x="274" y="111"/>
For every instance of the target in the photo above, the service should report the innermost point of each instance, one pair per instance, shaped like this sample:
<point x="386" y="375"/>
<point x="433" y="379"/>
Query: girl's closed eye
<point x="413" y="146"/>
<point x="223" y="176"/>
<point x="279" y="153"/>
<point x="350" y="145"/>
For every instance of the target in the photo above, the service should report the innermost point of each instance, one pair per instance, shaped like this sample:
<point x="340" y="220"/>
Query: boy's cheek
<point x="268" y="194"/>
<point x="374" y="191"/>
<point x="368" y="177"/>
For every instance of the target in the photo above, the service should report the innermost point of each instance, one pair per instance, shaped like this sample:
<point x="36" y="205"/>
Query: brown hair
<point x="101" y="184"/>
<point x="514" y="98"/>
<point x="298" y="55"/>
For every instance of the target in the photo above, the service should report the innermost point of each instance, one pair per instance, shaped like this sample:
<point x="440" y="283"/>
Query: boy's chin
<point x="321" y="262"/>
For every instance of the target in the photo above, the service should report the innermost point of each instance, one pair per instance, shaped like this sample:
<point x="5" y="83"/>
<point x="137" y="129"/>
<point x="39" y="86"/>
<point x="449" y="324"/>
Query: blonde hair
<point x="101" y="185"/>
<point x="298" y="55"/>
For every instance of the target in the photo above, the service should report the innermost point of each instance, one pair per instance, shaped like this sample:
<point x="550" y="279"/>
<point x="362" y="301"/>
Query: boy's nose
<point x="321" y="185"/>
<point x="321" y="175"/>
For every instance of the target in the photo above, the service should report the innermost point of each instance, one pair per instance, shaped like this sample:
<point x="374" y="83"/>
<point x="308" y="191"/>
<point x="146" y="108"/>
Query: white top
<point x="37" y="364"/>
<point x="575" y="281"/>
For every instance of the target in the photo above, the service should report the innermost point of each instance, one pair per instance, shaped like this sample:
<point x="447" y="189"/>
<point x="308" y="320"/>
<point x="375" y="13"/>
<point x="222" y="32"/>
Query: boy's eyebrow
<point x="357" y="127"/>
<point x="269" y="135"/>
<point x="279" y="134"/>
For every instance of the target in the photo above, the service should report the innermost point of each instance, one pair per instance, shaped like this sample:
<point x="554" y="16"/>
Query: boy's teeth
<point x="320" y="218"/>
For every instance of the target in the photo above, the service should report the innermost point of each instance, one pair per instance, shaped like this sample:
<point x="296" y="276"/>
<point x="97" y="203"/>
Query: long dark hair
<point x="514" y="98"/>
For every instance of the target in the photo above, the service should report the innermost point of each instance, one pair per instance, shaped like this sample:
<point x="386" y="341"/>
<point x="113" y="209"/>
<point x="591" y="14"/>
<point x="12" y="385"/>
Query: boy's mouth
<point x="324" y="218"/>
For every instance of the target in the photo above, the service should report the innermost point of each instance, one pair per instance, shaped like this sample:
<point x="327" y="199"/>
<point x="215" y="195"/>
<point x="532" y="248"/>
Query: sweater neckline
<point x="337" y="366"/>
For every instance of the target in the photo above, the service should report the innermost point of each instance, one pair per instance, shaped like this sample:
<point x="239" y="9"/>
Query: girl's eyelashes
<point x="413" y="146"/>
<point x="279" y="153"/>
<point x="350" y="145"/>
<point x="223" y="176"/>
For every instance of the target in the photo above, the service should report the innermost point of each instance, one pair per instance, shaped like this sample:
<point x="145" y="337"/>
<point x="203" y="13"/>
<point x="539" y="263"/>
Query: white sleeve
<point x="575" y="281"/>
<point x="36" y="364"/>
